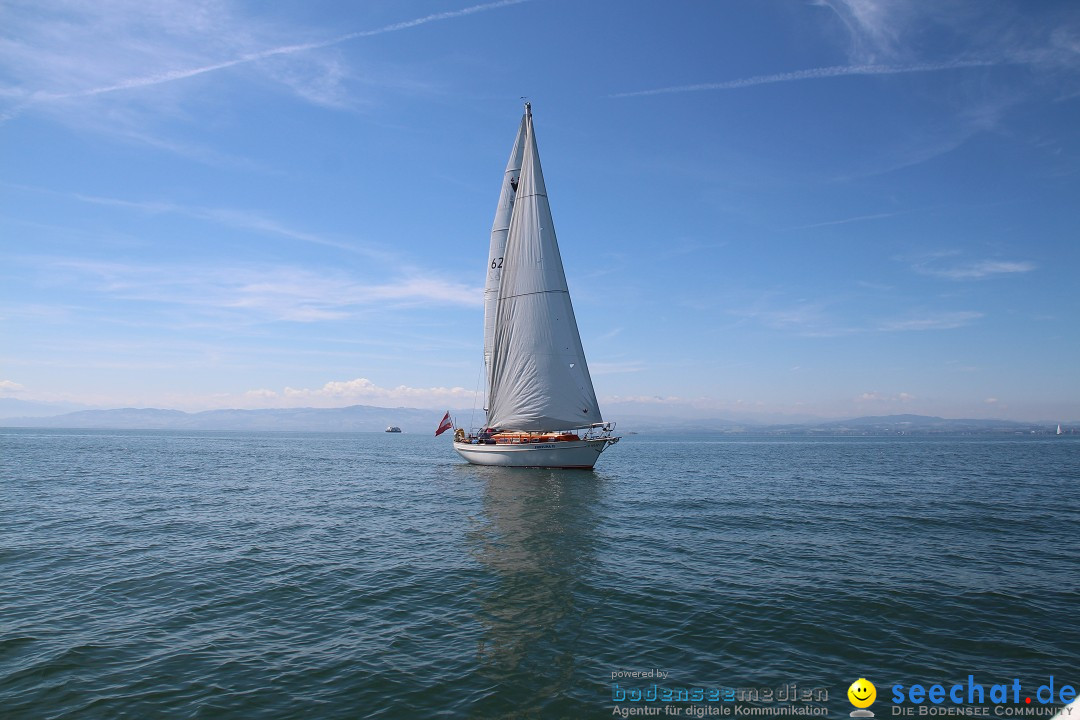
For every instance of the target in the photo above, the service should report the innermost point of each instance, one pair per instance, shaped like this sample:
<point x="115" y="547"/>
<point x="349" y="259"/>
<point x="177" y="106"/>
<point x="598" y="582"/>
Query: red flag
<point x="445" y="425"/>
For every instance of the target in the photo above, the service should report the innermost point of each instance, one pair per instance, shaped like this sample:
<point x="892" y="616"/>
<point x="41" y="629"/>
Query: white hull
<point x="567" y="454"/>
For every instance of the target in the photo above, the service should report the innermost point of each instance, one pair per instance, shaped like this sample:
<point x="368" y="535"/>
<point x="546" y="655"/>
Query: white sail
<point x="499" y="228"/>
<point x="538" y="376"/>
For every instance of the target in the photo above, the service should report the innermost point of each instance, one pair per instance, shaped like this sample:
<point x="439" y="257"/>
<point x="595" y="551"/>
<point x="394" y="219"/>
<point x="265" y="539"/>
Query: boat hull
<point x="579" y="454"/>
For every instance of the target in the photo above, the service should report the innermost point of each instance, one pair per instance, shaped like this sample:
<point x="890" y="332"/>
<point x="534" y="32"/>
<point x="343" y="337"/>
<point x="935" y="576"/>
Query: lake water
<point x="247" y="575"/>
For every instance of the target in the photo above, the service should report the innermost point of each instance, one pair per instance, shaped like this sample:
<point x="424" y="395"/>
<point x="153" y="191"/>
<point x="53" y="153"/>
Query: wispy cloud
<point x="136" y="82"/>
<point x="892" y="30"/>
<point x="931" y="321"/>
<point x="811" y="318"/>
<point x="811" y="74"/>
<point x="610" y="334"/>
<point x="193" y="151"/>
<point x="889" y="37"/>
<point x="174" y="75"/>
<point x="875" y="286"/>
<point x="914" y="151"/>
<point x="238" y="219"/>
<point x="845" y="221"/>
<point x="873" y="26"/>
<point x="645" y="399"/>
<point x="978" y="270"/>
<point x="613" y="368"/>
<point x="254" y="294"/>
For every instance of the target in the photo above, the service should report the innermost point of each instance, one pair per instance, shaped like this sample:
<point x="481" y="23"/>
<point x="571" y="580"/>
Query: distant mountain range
<point x="869" y="425"/>
<point x="357" y="418"/>
<point x="912" y="425"/>
<point x="366" y="418"/>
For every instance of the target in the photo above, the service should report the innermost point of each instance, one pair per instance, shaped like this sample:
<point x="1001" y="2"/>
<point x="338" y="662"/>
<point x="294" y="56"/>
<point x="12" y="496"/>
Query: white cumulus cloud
<point x="9" y="386"/>
<point x="364" y="392"/>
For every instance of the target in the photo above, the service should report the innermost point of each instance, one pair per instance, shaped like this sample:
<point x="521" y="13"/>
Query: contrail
<point x="845" y="221"/>
<point x="811" y="74"/>
<point x="173" y="75"/>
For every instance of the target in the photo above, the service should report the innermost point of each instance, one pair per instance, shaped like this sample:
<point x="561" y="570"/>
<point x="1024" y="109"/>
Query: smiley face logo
<point x="862" y="693"/>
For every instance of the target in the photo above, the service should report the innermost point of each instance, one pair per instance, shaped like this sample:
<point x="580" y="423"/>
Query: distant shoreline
<point x="365" y="418"/>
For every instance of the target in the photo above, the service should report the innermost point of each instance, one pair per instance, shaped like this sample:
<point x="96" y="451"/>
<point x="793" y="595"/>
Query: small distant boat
<point x="393" y="428"/>
<point x="542" y="409"/>
<point x="1059" y="429"/>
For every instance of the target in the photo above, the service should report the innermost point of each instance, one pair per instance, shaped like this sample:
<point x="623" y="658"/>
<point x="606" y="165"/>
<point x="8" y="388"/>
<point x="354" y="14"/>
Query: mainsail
<point x="499" y="228"/>
<point x="537" y="375"/>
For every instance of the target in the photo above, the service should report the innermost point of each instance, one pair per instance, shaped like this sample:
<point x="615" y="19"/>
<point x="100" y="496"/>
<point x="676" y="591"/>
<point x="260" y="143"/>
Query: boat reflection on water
<point x="537" y="537"/>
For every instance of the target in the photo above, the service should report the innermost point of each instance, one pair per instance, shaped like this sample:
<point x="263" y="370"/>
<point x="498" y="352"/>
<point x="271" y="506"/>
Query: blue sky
<point x="766" y="208"/>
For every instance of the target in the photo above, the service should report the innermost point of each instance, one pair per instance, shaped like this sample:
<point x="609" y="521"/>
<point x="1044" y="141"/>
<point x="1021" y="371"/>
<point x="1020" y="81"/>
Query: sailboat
<point x="541" y="406"/>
